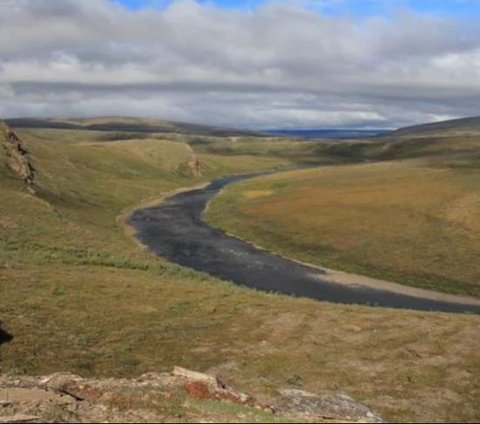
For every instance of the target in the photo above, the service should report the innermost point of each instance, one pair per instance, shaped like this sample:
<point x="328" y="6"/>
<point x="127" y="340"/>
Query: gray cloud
<point x="281" y="65"/>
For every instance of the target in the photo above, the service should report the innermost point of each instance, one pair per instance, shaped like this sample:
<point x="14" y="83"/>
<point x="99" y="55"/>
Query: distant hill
<point x="455" y="139"/>
<point x="139" y="125"/>
<point x="454" y="127"/>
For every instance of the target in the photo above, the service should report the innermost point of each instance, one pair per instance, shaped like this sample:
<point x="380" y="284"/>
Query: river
<point x="175" y="230"/>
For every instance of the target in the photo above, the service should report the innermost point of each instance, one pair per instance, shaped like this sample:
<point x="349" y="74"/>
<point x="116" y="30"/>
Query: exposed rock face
<point x="154" y="397"/>
<point x="18" y="160"/>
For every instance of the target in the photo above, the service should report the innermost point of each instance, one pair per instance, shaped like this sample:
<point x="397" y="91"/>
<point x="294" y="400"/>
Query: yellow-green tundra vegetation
<point x="416" y="222"/>
<point x="78" y="294"/>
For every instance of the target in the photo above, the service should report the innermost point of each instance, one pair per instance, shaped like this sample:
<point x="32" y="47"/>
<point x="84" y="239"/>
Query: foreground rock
<point x="180" y="396"/>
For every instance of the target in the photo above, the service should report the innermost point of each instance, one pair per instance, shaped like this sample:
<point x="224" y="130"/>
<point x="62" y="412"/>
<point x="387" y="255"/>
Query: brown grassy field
<point x="415" y="222"/>
<point x="78" y="295"/>
<point x="105" y="320"/>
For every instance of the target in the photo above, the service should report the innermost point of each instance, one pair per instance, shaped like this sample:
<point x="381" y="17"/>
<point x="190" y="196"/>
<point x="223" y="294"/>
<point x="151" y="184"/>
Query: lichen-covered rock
<point x="328" y="407"/>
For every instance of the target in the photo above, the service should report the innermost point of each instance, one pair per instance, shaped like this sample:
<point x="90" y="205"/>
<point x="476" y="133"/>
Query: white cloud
<point x="277" y="66"/>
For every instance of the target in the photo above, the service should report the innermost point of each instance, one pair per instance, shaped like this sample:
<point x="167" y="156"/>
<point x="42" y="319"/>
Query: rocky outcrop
<point x="157" y="397"/>
<point x="205" y="386"/>
<point x="17" y="157"/>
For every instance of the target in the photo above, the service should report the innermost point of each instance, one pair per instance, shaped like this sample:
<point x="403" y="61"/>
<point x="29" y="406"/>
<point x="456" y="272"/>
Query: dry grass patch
<point x="253" y="194"/>
<point x="105" y="321"/>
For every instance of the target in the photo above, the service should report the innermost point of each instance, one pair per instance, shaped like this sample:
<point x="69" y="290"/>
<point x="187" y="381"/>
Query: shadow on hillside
<point x="4" y="336"/>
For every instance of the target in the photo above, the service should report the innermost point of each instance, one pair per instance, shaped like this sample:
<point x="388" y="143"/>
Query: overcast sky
<point x="254" y="64"/>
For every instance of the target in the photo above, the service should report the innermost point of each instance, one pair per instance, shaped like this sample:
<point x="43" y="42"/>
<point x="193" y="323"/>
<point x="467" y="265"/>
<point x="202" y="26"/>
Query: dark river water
<point x="176" y="231"/>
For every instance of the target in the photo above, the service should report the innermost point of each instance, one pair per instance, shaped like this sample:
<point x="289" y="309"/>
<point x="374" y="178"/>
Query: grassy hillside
<point x="456" y="149"/>
<point x="300" y="152"/>
<point x="415" y="222"/>
<point x="405" y="143"/>
<point x="463" y="150"/>
<point x="77" y="294"/>
<point x="85" y="184"/>
<point x="456" y="140"/>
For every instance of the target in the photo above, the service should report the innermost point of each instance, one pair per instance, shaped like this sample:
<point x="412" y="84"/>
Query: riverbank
<point x="176" y="231"/>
